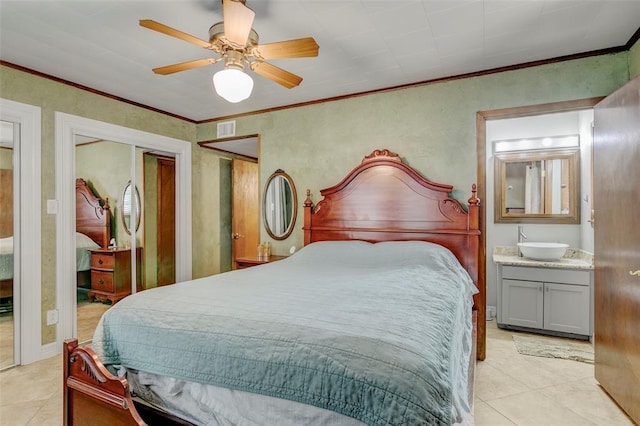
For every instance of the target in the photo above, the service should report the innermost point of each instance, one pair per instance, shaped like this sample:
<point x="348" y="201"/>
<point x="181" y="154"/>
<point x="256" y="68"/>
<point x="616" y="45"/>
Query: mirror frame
<point x="138" y="209"/>
<point x="501" y="161"/>
<point x="294" y="199"/>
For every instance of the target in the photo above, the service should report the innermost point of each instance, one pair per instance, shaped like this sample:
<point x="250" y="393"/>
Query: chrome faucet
<point x="521" y="237"/>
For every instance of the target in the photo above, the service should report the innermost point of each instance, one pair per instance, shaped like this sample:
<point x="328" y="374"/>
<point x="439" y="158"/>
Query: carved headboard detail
<point x="93" y="216"/>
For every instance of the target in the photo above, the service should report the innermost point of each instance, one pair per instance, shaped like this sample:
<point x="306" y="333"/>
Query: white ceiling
<point x="364" y="45"/>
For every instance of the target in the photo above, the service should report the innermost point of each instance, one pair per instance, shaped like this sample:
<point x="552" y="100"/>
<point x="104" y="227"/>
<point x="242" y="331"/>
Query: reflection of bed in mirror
<point x="93" y="230"/>
<point x="6" y="235"/>
<point x="346" y="331"/>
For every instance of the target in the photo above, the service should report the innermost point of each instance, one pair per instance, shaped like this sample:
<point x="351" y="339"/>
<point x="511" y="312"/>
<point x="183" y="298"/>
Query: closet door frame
<point x="67" y="127"/>
<point x="27" y="312"/>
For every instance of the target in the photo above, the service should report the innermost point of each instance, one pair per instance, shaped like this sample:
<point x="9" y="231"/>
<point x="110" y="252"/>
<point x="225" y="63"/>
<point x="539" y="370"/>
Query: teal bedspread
<point x="83" y="255"/>
<point x="379" y="332"/>
<point x="6" y="266"/>
<point x="6" y="258"/>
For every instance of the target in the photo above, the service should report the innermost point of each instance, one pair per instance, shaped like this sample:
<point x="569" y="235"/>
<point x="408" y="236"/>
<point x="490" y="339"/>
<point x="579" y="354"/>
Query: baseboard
<point x="49" y="350"/>
<point x="491" y="313"/>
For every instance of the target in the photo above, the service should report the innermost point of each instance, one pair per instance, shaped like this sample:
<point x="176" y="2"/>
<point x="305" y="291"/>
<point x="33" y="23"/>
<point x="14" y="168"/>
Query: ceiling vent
<point x="226" y="129"/>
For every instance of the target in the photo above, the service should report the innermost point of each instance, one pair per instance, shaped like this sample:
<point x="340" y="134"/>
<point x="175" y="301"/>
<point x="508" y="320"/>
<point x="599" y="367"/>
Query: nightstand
<point x="111" y="273"/>
<point x="248" y="261"/>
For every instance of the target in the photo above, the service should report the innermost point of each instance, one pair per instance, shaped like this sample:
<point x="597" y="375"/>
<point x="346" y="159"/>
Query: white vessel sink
<point x="543" y="251"/>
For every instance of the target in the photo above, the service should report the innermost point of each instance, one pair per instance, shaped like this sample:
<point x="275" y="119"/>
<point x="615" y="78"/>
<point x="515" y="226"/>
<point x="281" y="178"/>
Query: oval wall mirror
<point x="279" y="205"/>
<point x="127" y="208"/>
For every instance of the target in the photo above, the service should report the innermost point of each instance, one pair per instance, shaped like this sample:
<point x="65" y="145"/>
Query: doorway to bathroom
<point x="554" y="119"/>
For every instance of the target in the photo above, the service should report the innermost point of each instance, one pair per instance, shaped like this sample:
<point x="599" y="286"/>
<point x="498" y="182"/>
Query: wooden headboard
<point x="93" y="217"/>
<point x="383" y="199"/>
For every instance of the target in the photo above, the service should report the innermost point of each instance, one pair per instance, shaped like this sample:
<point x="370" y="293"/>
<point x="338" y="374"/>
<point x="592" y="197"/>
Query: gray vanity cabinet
<point x="522" y="303"/>
<point x="555" y="301"/>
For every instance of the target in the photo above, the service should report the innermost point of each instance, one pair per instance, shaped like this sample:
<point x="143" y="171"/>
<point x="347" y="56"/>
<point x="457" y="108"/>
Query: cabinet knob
<point x="100" y="281"/>
<point x="100" y="261"/>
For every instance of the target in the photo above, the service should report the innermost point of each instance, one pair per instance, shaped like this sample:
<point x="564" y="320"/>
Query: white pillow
<point x="6" y="245"/>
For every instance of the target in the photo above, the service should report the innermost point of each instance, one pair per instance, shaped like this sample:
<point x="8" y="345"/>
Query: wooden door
<point x="617" y="246"/>
<point x="245" y="208"/>
<point x="166" y="230"/>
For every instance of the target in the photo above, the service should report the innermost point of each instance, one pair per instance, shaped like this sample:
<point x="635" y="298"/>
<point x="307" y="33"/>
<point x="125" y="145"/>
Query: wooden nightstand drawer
<point x="111" y="273"/>
<point x="102" y="281"/>
<point x="102" y="260"/>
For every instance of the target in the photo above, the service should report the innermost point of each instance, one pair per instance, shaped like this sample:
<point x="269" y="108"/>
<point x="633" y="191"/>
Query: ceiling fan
<point x="236" y="42"/>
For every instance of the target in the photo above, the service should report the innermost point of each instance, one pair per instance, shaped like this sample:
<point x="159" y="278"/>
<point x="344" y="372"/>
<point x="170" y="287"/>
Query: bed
<point x="374" y="321"/>
<point x="93" y="230"/>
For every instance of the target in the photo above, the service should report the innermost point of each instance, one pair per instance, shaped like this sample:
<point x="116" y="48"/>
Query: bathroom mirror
<point x="279" y="205"/>
<point x="127" y="208"/>
<point x="537" y="186"/>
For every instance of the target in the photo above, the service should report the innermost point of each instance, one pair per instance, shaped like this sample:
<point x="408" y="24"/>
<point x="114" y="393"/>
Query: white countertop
<point x="573" y="259"/>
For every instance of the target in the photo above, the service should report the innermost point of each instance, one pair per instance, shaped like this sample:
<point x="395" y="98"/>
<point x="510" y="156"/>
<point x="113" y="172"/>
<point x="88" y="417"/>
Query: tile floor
<point x="511" y="389"/>
<point x="88" y="316"/>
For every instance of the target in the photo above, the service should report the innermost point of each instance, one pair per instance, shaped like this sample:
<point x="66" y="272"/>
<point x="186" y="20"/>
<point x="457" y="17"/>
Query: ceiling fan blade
<point x="182" y="66"/>
<point x="161" y="28"/>
<point x="276" y="74"/>
<point x="238" y="20"/>
<point x="299" y="48"/>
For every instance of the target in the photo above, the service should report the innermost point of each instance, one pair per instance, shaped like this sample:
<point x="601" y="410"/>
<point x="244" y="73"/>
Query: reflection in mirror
<point x="279" y="205"/>
<point x="7" y="301"/>
<point x="537" y="186"/>
<point x="128" y="208"/>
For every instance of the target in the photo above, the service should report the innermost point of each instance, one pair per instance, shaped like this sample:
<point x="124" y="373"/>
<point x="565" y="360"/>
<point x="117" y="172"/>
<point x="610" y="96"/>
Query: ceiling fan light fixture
<point x="233" y="84"/>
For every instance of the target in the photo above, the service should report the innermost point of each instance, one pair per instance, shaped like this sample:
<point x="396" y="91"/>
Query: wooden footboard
<point x="93" y="396"/>
<point x="92" y="392"/>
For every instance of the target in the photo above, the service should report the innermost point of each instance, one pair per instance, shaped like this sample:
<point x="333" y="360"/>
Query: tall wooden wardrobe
<point x="617" y="246"/>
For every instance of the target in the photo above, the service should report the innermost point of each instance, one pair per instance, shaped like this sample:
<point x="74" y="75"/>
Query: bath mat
<point x="554" y="348"/>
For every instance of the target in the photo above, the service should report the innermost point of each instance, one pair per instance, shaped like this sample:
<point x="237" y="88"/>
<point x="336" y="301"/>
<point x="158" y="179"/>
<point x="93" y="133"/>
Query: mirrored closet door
<point x="130" y="214"/>
<point x="8" y="280"/>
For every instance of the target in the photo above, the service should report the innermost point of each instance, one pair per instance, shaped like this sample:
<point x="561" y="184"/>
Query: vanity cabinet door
<point x="522" y="303"/>
<point x="566" y="308"/>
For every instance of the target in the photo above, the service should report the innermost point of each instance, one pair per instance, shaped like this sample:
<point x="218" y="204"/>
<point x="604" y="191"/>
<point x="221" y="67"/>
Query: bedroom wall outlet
<point x="52" y="317"/>
<point x="292" y="250"/>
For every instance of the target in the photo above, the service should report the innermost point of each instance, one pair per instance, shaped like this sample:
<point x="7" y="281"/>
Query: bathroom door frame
<point x="27" y="312"/>
<point x="481" y="155"/>
<point x="67" y="127"/>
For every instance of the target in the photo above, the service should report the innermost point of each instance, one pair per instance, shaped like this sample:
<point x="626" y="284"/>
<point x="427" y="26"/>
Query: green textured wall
<point x="51" y="96"/>
<point x="634" y="61"/>
<point x="6" y="158"/>
<point x="206" y="213"/>
<point x="150" y="219"/>
<point x="433" y="127"/>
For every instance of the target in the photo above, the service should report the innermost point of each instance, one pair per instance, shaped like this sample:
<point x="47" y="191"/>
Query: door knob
<point x="235" y="236"/>
<point x="636" y="273"/>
